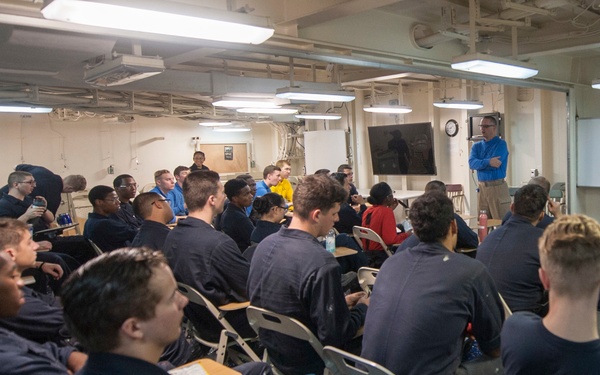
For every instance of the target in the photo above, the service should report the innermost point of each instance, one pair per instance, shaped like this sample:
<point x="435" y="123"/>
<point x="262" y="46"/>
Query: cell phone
<point x="38" y="202"/>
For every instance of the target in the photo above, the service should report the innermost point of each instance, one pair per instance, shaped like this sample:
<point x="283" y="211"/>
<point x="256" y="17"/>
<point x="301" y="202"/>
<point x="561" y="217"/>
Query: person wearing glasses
<point x="17" y="204"/>
<point x="126" y="189"/>
<point x="156" y="213"/>
<point x="271" y="209"/>
<point x="489" y="158"/>
<point x="106" y="231"/>
<point x="50" y="185"/>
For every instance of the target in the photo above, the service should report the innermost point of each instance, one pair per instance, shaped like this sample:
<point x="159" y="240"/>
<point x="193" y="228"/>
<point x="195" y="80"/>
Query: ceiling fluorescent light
<point x="124" y="69"/>
<point x="269" y="111"/>
<point x="495" y="66"/>
<point x="596" y="83"/>
<point x="458" y="104"/>
<point x="375" y="108"/>
<point x="190" y="22"/>
<point x="215" y="123"/>
<point x="241" y="102"/>
<point x="18" y="109"/>
<point x="299" y="93"/>
<point x="231" y="130"/>
<point x="319" y="116"/>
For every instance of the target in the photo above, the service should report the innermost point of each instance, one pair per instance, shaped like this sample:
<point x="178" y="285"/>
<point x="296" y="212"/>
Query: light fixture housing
<point x="24" y="109"/>
<point x="379" y="108"/>
<point x="185" y="21"/>
<point x="495" y="66"/>
<point x="231" y="130"/>
<point x="269" y="111"/>
<point x="248" y="102"/>
<point x="300" y="93"/>
<point x="124" y="69"/>
<point x="319" y="116"/>
<point x="458" y="104"/>
<point x="215" y="123"/>
<point x="596" y="83"/>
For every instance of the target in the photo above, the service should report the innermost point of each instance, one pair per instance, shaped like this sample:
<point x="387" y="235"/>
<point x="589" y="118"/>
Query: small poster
<point x="228" y="152"/>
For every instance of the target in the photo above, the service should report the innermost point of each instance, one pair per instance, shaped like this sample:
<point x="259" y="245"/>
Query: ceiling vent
<point x="124" y="69"/>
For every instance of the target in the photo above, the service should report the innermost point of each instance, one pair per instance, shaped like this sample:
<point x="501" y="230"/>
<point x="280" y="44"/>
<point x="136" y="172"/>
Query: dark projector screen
<point x="403" y="149"/>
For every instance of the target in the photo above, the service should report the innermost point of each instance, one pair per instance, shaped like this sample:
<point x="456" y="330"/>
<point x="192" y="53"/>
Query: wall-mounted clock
<point x="451" y="128"/>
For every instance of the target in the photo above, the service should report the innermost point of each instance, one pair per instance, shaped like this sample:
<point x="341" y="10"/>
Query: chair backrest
<point x="456" y="194"/>
<point x="507" y="311"/>
<point x="366" y="278"/>
<point x="265" y="319"/>
<point x="369" y="235"/>
<point x="95" y="247"/>
<point x="195" y="297"/>
<point x="340" y="359"/>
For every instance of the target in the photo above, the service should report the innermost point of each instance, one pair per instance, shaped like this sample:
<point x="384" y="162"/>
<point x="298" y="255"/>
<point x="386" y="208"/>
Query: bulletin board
<point x="226" y="157"/>
<point x="588" y="152"/>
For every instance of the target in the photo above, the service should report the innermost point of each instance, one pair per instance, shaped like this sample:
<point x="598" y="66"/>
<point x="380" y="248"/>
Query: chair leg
<point x="222" y="347"/>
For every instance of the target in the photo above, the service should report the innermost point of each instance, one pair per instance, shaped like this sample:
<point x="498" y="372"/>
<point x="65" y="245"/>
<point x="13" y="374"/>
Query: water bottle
<point x="483" y="230"/>
<point x="330" y="241"/>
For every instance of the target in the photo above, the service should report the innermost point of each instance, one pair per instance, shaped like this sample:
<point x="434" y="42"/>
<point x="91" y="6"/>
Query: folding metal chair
<point x="369" y="235"/>
<point x="227" y="332"/>
<point x="265" y="319"/>
<point x="366" y="278"/>
<point x="340" y="360"/>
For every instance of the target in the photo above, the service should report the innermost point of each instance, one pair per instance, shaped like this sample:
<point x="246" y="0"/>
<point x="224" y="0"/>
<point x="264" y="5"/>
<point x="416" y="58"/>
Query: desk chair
<point x="340" y="360"/>
<point x="366" y="278"/>
<point x="227" y="332"/>
<point x="265" y="319"/>
<point x="369" y="235"/>
<point x="456" y="194"/>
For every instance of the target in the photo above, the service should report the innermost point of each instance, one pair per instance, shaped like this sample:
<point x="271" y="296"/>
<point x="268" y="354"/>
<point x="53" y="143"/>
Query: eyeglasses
<point x="31" y="182"/>
<point x="486" y="126"/>
<point x="161" y="200"/>
<point x="128" y="186"/>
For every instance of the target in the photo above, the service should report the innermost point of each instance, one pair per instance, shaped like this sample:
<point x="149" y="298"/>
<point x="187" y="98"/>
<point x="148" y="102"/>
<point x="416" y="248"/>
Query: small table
<point x="341" y="251"/>
<point x="53" y="232"/>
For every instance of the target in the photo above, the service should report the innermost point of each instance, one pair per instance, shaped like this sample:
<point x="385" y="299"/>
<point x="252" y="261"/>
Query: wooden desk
<point x="234" y="306"/>
<point x="342" y="251"/>
<point x="209" y="366"/>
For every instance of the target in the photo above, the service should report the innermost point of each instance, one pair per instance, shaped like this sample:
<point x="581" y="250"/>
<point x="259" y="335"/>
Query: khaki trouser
<point x="494" y="198"/>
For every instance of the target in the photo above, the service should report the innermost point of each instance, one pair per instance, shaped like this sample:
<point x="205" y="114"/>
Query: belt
<point x="492" y="182"/>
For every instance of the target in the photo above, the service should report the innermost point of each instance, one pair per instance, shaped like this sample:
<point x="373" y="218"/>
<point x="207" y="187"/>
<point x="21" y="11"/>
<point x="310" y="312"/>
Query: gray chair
<point x="97" y="250"/>
<point x="340" y="360"/>
<point x="366" y="278"/>
<point x="369" y="235"/>
<point x="265" y="319"/>
<point x="228" y="332"/>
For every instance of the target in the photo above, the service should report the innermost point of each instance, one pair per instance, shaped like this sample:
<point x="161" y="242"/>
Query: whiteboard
<point x="324" y="149"/>
<point x="588" y="152"/>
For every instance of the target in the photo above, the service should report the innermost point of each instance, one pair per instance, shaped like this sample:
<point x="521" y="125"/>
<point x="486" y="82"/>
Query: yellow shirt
<point x="284" y="188"/>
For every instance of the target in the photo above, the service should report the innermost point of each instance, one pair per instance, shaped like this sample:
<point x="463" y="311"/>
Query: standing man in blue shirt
<point x="490" y="158"/>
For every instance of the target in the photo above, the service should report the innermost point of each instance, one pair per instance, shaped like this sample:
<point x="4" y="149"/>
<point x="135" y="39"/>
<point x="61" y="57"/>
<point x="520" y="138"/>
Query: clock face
<point x="451" y="128"/>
